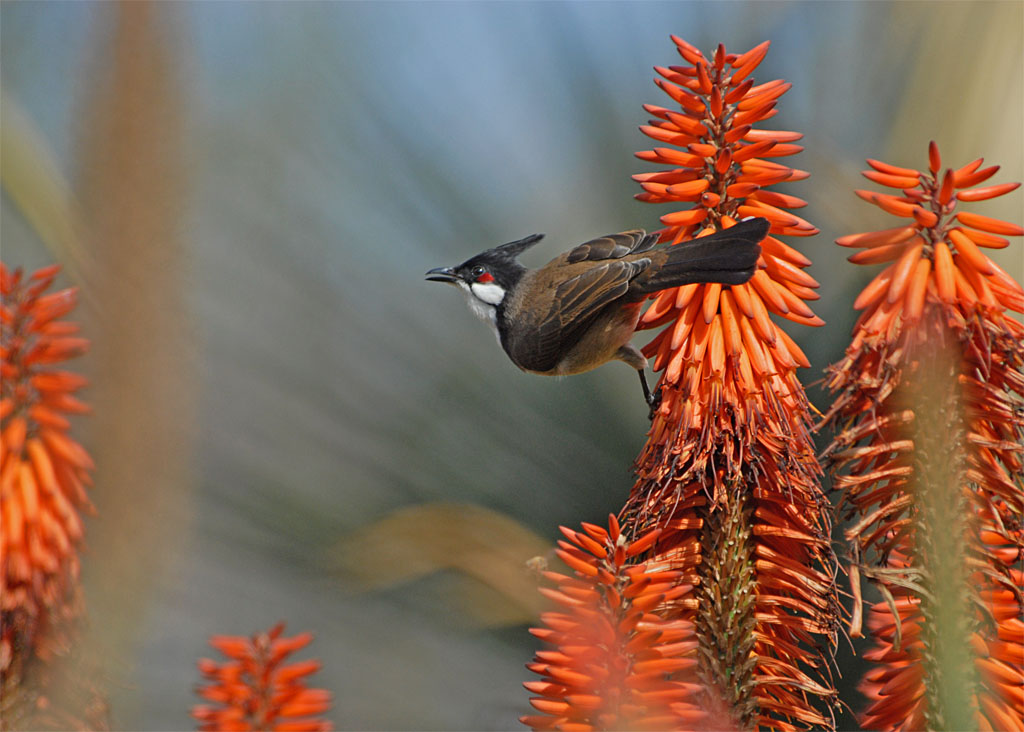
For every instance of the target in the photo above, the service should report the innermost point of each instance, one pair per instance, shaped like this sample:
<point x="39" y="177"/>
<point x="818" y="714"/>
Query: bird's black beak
<point x="442" y="274"/>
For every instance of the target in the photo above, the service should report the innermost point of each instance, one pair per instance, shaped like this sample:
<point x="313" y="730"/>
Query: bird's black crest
<point x="515" y="248"/>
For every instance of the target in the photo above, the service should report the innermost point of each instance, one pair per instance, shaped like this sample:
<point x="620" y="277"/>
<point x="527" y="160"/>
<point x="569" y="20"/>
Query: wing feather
<point x="610" y="246"/>
<point x="574" y="305"/>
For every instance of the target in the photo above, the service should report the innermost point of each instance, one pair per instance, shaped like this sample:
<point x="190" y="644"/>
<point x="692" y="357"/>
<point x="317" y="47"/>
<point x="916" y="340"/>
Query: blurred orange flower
<point x="929" y="455"/>
<point x="255" y="690"/>
<point x="614" y="660"/>
<point x="44" y="473"/>
<point x="729" y="471"/>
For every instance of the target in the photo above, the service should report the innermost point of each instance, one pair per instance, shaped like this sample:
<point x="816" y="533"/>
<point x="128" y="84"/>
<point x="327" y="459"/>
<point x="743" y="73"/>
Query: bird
<point x="580" y="310"/>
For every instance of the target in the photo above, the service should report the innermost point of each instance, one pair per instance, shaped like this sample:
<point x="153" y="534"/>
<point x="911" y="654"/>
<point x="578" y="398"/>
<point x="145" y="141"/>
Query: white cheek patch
<point x="489" y="292"/>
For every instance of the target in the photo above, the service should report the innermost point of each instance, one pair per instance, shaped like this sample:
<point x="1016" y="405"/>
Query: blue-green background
<point x="335" y="151"/>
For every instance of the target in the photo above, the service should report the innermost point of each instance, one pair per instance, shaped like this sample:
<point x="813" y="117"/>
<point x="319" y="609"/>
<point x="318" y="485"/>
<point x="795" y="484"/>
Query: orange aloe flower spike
<point x="44" y="472"/>
<point x="729" y="472"/>
<point x="614" y="661"/>
<point x="928" y="456"/>
<point x="255" y="690"/>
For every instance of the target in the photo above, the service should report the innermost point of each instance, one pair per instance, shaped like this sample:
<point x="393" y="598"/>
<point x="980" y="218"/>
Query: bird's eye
<point x="480" y="275"/>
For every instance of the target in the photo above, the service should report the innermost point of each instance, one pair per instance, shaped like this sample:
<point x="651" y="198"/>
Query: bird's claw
<point x="654" y="402"/>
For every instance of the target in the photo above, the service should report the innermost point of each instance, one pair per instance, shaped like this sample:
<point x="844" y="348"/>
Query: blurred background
<point x="289" y="423"/>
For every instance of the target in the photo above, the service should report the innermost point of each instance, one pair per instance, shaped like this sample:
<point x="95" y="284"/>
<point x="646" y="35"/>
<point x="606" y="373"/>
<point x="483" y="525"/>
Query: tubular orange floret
<point x="256" y="690"/>
<point x="729" y="454"/>
<point x="965" y="418"/>
<point x="617" y="662"/>
<point x="42" y="469"/>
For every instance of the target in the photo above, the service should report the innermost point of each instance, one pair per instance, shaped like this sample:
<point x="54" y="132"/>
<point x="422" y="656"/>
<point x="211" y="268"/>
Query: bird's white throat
<point x="483" y="299"/>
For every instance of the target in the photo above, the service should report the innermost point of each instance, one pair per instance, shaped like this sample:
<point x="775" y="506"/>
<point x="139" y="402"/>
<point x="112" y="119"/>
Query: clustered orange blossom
<point x="614" y="659"/>
<point x="256" y="690"/>
<point x="724" y="166"/>
<point x="939" y="295"/>
<point x="44" y="473"/>
<point x="936" y="256"/>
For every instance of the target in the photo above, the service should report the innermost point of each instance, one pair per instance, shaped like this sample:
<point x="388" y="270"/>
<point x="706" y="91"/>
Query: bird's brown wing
<point x="612" y="246"/>
<point x="572" y="308"/>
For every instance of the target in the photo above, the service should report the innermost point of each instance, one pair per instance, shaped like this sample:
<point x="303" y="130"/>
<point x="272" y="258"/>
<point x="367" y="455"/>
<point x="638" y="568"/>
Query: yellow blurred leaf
<point x="492" y="553"/>
<point x="33" y="180"/>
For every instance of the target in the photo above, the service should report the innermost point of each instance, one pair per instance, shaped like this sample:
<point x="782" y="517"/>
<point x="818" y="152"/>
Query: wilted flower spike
<point x="615" y="661"/>
<point x="256" y="690"/>
<point x="44" y="473"/>
<point x="729" y="472"/>
<point x="930" y="421"/>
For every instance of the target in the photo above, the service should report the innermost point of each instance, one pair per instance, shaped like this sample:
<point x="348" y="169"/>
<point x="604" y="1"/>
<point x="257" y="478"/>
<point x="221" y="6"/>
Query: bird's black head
<point x="490" y="274"/>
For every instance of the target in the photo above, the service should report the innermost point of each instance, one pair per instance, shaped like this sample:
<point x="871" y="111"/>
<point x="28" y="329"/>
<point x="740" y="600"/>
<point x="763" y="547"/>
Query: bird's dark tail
<point x="729" y="257"/>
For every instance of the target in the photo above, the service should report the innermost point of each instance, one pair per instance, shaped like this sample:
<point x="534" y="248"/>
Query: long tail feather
<point x="729" y="257"/>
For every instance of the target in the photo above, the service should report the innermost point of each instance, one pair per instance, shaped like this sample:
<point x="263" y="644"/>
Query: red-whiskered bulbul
<point x="580" y="309"/>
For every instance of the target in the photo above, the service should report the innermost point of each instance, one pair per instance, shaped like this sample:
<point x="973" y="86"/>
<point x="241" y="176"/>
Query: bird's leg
<point x="646" y="388"/>
<point x="631" y="354"/>
<point x="653" y="400"/>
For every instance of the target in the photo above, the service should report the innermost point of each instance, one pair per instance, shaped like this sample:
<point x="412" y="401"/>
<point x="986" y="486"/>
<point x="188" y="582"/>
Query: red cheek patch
<point x="485" y="278"/>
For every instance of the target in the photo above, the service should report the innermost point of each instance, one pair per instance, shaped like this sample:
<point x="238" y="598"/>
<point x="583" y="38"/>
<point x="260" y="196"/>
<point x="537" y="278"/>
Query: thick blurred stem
<point x="725" y="620"/>
<point x="943" y="529"/>
<point x="132" y="186"/>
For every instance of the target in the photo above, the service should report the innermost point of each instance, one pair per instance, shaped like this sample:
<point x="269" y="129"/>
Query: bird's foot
<point x="654" y="401"/>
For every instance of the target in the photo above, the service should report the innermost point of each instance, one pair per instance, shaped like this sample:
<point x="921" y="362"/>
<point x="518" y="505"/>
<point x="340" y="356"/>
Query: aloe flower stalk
<point x="729" y="471"/>
<point x="728" y="482"/>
